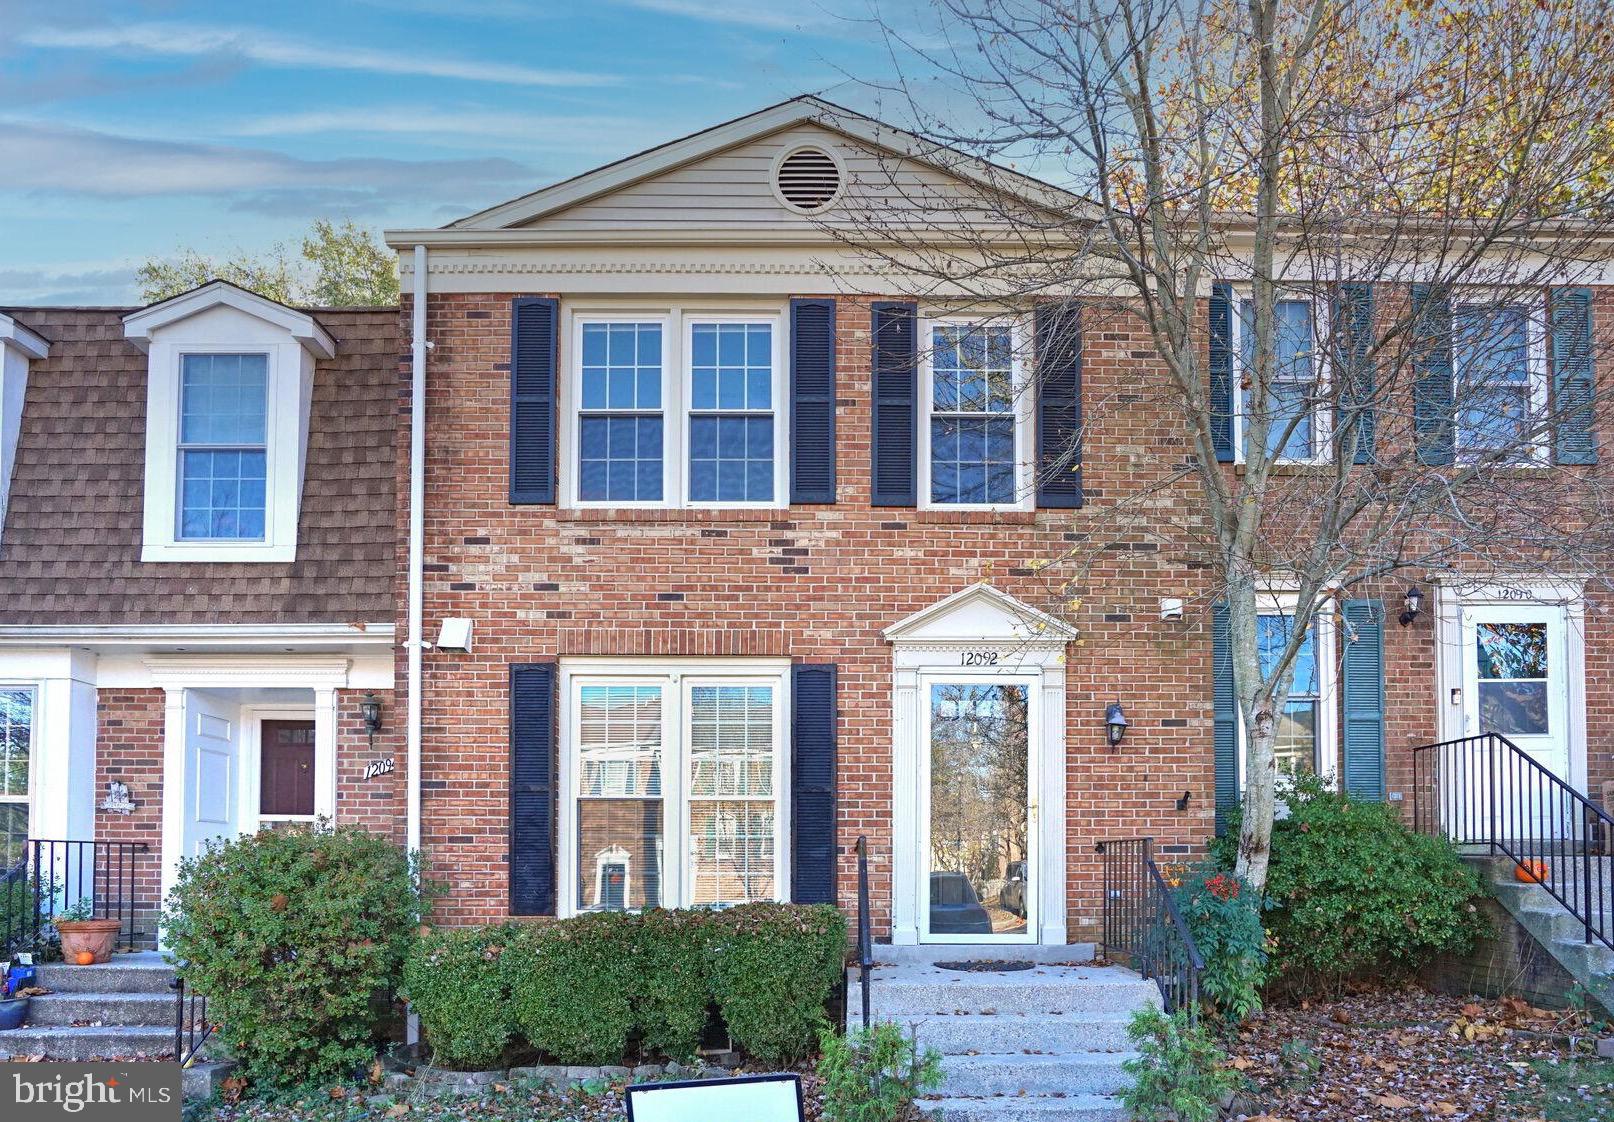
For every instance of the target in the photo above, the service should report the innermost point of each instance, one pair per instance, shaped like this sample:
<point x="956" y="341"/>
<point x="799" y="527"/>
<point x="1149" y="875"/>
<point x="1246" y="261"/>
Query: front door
<point x="1515" y="684"/>
<point x="979" y="872"/>
<point x="212" y="772"/>
<point x="286" y="771"/>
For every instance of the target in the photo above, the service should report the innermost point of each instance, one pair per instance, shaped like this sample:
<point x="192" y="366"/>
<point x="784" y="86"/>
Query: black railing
<point x="1143" y="927"/>
<point x="191" y="1026"/>
<point x="55" y="875"/>
<point x="865" y="947"/>
<point x="1486" y="790"/>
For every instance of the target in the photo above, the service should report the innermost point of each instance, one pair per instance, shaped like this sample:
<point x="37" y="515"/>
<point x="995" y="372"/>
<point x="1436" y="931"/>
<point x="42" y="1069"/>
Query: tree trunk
<point x="1260" y="795"/>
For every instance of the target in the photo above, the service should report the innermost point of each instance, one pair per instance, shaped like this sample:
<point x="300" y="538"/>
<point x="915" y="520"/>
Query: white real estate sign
<point x="745" y="1098"/>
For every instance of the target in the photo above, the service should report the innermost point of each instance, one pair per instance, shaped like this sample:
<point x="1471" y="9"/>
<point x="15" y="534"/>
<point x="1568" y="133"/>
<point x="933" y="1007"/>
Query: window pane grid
<point x="972" y="423"/>
<point x="1491" y="362"/>
<point x="731" y="446"/>
<point x="620" y="810"/>
<point x="731" y="813"/>
<point x="620" y="450"/>
<point x="223" y="402"/>
<point x="1295" y="745"/>
<point x="16" y="745"/>
<point x="1291" y="394"/>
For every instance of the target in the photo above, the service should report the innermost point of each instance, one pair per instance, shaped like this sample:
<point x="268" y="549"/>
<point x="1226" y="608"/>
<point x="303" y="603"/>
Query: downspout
<point x="417" y="545"/>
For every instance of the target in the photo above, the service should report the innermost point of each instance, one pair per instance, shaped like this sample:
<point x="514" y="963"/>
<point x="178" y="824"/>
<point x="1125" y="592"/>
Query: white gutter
<point x="417" y="547"/>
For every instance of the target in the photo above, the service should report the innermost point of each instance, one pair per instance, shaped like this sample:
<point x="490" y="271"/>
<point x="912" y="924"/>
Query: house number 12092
<point x="979" y="658"/>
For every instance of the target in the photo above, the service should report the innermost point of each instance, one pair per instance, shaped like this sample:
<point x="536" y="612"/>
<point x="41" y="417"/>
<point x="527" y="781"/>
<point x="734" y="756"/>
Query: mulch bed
<point x="1404" y="1054"/>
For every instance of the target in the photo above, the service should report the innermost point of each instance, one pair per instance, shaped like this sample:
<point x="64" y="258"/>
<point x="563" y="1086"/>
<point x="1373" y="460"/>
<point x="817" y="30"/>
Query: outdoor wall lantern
<point x="1414" y="604"/>
<point x="370" y="710"/>
<point x="1115" y="723"/>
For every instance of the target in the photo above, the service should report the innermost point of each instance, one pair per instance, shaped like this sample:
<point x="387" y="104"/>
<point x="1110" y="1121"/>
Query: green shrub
<point x="573" y="993"/>
<point x="1179" y="1073"/>
<point x="290" y="934"/>
<point x="1352" y="891"/>
<point x="773" y="967"/>
<point x="672" y="992"/>
<point x="1224" y="918"/>
<point x="874" y="1075"/>
<point x="458" y="984"/>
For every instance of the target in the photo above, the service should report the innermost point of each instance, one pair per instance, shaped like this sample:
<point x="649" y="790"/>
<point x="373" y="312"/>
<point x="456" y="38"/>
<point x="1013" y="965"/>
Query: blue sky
<point x="134" y="129"/>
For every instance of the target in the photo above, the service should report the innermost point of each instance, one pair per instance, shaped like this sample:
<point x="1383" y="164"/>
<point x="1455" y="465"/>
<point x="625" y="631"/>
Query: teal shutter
<point x="1573" y="381"/>
<point x="1433" y="423"/>
<point x="1363" y="671"/>
<point x="1225" y="704"/>
<point x="1221" y="371"/>
<point x="1351" y="326"/>
<point x="812" y="784"/>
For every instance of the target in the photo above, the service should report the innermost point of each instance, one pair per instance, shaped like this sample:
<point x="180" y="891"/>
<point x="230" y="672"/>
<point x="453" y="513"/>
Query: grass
<point x="1578" y="1090"/>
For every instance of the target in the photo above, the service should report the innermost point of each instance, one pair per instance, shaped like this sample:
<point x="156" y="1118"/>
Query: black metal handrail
<point x="56" y="874"/>
<point x="1143" y="927"/>
<point x="191" y="1026"/>
<point x="1486" y="790"/>
<point x="865" y="947"/>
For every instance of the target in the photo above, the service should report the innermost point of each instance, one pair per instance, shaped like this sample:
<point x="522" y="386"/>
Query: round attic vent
<point x="807" y="180"/>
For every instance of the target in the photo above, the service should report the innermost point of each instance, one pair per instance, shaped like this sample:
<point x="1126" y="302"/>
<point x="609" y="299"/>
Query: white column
<point x="174" y="784"/>
<point x="905" y="856"/>
<point x="325" y="717"/>
<point x="1051" y="807"/>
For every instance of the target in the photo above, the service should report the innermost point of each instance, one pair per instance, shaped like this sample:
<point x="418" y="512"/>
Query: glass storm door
<point x="979" y="865"/>
<point x="1514" y="685"/>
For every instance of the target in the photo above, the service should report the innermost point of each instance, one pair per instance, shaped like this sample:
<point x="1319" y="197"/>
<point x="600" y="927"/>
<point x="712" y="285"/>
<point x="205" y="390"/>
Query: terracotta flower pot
<point x="95" y="937"/>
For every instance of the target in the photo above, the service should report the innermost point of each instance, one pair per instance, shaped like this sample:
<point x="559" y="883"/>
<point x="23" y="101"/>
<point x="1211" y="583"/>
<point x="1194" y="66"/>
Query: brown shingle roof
<point x="70" y="553"/>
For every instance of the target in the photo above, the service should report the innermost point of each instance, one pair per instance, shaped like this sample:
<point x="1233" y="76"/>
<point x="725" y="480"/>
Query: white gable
<point x="980" y="614"/>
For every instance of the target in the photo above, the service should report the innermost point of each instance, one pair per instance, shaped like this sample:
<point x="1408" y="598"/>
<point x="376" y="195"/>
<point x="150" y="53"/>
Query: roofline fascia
<point x="204" y="634"/>
<point x="138" y="325"/>
<point x="32" y="344"/>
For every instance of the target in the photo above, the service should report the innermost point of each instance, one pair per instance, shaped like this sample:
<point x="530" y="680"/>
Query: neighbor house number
<point x="979" y="658"/>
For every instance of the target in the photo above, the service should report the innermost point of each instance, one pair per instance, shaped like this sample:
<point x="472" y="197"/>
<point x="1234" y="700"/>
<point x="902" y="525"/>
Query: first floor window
<point x="1297" y="743"/>
<point x="16" y="751"/>
<point x="223" y="405"/>
<point x="679" y="756"/>
<point x="972" y="424"/>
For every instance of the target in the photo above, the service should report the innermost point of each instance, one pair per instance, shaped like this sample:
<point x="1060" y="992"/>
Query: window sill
<point x="592" y="514"/>
<point x="223" y="553"/>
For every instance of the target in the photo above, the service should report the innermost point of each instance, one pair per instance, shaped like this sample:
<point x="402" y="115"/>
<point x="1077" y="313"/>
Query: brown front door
<point x="287" y="782"/>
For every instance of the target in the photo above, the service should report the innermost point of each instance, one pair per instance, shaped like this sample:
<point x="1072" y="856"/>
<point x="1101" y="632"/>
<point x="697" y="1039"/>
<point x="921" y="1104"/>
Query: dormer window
<point x="229" y="383"/>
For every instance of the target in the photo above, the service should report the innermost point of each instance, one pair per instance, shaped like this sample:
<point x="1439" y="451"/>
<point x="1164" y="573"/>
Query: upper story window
<point x="1500" y="376"/>
<point x="229" y="383"/>
<point x="976" y="426"/>
<point x="1298" y="422"/>
<point x="677" y="409"/>
<point x="223" y="445"/>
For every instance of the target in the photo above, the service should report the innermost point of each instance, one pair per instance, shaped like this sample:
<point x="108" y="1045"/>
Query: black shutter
<point x="895" y="434"/>
<point x="1433" y="422"/>
<point x="1573" y="380"/>
<point x="812" y="784"/>
<point x="1059" y="405"/>
<point x="1221" y="371"/>
<point x="812" y="401"/>
<point x="532" y="789"/>
<point x="534" y="351"/>
<point x="1353" y="345"/>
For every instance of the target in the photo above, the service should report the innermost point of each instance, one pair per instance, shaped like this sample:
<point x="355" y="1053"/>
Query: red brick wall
<point x="376" y="804"/>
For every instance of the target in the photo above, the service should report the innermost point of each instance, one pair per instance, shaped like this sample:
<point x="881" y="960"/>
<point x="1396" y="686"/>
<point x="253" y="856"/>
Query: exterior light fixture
<point x="1115" y="723"/>
<point x="1413" y="602"/>
<point x="370" y="710"/>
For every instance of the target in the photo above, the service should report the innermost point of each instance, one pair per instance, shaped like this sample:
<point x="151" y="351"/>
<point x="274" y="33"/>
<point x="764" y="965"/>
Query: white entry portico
<point x="978" y="772"/>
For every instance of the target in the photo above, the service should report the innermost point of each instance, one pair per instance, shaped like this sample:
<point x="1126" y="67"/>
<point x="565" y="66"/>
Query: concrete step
<point x="955" y="952"/>
<point x="1026" y="1108"/>
<point x="120" y="1009"/>
<point x="70" y="1043"/>
<point x="911" y="990"/>
<point x="139" y="972"/>
<point x="1066" y="1073"/>
<point x="957" y="1034"/>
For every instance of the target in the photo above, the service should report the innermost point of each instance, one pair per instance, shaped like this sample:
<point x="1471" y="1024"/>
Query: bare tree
<point x="1352" y="231"/>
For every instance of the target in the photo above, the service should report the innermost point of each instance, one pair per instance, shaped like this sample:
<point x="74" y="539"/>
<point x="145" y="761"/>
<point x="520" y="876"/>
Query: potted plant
<point x="86" y="940"/>
<point x="13" y="1009"/>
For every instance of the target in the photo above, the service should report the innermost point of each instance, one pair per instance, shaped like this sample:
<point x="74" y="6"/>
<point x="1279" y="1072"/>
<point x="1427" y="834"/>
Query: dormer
<point x="18" y="348"/>
<point x="230" y="376"/>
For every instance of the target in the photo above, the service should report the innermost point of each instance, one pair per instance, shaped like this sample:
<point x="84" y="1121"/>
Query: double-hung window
<point x="689" y="753"/>
<point x="1308" y="727"/>
<point x="975" y="426"/>
<point x="223" y="445"/>
<point x="1499" y="372"/>
<point x="681" y="408"/>
<point x="1297" y="422"/>
<point x="16" y="754"/>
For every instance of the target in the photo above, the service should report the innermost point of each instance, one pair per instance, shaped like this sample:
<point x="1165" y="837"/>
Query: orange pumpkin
<point x="1530" y="872"/>
<point x="85" y="958"/>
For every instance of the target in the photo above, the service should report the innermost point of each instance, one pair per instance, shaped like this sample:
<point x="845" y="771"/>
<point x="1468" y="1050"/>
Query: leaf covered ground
<point x="1410" y="1055"/>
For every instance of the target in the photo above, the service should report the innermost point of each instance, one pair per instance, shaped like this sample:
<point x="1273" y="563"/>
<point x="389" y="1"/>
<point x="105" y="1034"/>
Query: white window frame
<point x="181" y="447"/>
<point x="1325" y="649"/>
<point x="677" y="335"/>
<point x="1534" y="303"/>
<point x="1024" y="411"/>
<point x="1322" y="420"/>
<point x="28" y="798"/>
<point x="676" y="678"/>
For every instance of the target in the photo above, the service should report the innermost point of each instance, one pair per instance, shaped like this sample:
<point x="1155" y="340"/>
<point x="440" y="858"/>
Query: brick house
<point x="197" y="567"/>
<point x="753" y="544"/>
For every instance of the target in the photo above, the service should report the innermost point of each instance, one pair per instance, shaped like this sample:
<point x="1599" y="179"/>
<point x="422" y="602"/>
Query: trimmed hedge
<point x="582" y="990"/>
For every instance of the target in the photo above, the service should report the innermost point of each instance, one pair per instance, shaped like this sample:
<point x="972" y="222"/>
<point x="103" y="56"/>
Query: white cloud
<point x="269" y="49"/>
<point x="534" y="131"/>
<point x="760" y="15"/>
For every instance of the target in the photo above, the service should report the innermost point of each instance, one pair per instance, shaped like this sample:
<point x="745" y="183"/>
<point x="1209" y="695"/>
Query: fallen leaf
<point x="1392" y="1102"/>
